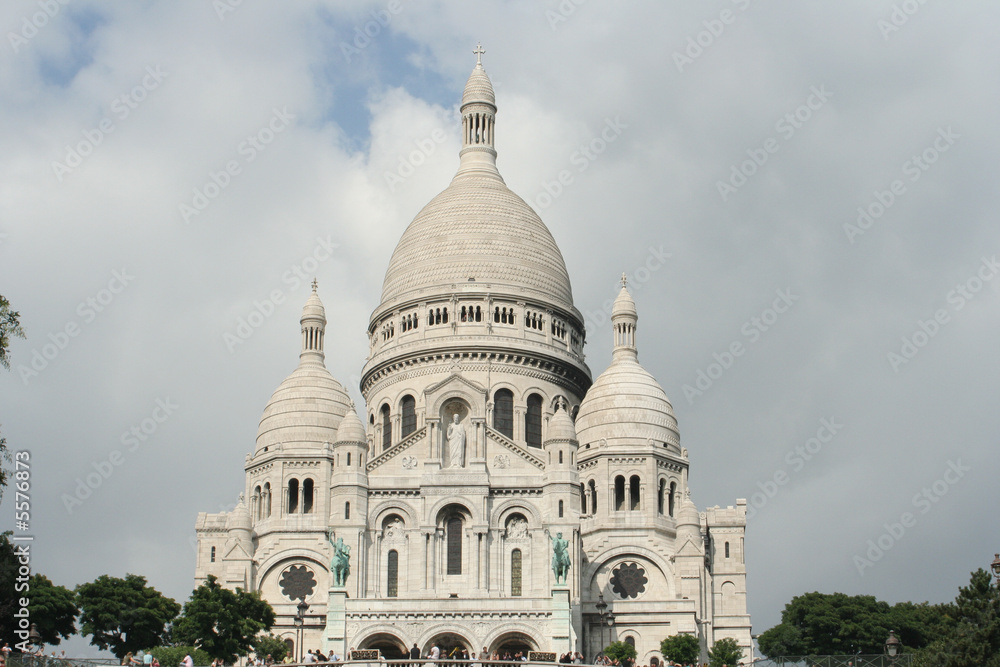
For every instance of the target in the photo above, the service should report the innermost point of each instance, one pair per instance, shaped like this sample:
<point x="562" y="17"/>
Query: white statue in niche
<point x="517" y="529"/>
<point x="393" y="530"/>
<point x="456" y="442"/>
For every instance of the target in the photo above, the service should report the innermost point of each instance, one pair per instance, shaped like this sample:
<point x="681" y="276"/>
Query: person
<point x="309" y="657"/>
<point x="484" y="654"/>
<point x="188" y="661"/>
<point x="414" y="652"/>
<point x="288" y="658"/>
<point x="435" y="652"/>
<point x="268" y="661"/>
<point x="320" y="657"/>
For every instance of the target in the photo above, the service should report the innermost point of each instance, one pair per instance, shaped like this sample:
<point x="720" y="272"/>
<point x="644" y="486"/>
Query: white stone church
<point x="482" y="439"/>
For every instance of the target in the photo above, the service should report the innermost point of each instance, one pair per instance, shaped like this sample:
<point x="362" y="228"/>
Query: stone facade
<point x="483" y="444"/>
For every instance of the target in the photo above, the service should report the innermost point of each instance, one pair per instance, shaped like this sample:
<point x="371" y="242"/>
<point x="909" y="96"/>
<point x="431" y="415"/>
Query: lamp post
<point x="300" y="617"/>
<point x="892" y="646"/>
<point x="995" y="566"/>
<point x="35" y="639"/>
<point x="606" y="617"/>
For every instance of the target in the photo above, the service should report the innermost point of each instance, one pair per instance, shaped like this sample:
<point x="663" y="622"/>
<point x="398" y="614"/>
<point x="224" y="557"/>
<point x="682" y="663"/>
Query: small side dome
<point x="305" y="409"/>
<point x="627" y="404"/>
<point x="351" y="429"/>
<point x="561" y="427"/>
<point x="239" y="518"/>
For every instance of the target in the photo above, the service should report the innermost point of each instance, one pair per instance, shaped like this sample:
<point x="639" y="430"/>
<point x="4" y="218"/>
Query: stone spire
<point x="479" y="108"/>
<point x="623" y="320"/>
<point x="313" y="329"/>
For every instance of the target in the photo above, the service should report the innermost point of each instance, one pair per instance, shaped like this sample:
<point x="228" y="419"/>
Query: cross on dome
<point x="479" y="51"/>
<point x="314" y="285"/>
<point x="624" y="280"/>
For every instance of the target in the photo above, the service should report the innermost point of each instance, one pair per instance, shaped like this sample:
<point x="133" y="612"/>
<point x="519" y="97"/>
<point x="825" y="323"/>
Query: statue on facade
<point x="560" y="557"/>
<point x="341" y="563"/>
<point x="456" y="442"/>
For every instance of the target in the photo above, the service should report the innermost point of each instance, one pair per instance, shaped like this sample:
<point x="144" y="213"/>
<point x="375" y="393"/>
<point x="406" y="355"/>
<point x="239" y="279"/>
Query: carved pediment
<point x="453" y="379"/>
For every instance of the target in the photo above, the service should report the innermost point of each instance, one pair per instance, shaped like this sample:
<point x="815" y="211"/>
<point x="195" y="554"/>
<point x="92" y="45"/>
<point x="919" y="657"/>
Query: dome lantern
<point x="479" y="108"/>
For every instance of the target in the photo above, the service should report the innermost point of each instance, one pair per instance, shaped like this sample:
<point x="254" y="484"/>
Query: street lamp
<point x="300" y="617"/>
<point x="35" y="639"/>
<point x="892" y="646"/>
<point x="995" y="566"/>
<point x="602" y="608"/>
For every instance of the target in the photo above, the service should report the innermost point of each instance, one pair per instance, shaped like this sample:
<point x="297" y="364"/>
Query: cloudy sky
<point x="802" y="193"/>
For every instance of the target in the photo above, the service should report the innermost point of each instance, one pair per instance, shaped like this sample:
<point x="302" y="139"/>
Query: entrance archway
<point x="390" y="646"/>
<point x="513" y="643"/>
<point x="451" y="645"/>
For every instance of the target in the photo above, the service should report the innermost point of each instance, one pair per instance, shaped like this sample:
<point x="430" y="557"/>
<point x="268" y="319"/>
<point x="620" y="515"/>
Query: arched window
<point x="619" y="493"/>
<point x="409" y="409"/>
<point x="727" y="549"/>
<point x="213" y="554"/>
<point x="515" y="573"/>
<point x="307" y="496"/>
<point x="291" y="647"/>
<point x="293" y="496"/>
<point x="560" y="509"/>
<point x="533" y="422"/>
<point x="256" y="504"/>
<point x="503" y="412"/>
<point x="348" y="459"/>
<point x="660" y="494"/>
<point x="454" y="545"/>
<point x="630" y="640"/>
<point x="392" y="575"/>
<point x="670" y="500"/>
<point x="386" y="428"/>
<point x="593" y="497"/>
<point x="266" y="498"/>
<point x="583" y="499"/>
<point x="633" y="489"/>
<point x="347" y="511"/>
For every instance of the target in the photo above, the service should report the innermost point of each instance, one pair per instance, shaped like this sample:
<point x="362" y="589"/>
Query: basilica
<point x="489" y="493"/>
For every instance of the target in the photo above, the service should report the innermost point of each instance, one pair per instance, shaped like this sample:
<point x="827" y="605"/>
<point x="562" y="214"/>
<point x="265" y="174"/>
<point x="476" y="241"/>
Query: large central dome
<point x="478" y="230"/>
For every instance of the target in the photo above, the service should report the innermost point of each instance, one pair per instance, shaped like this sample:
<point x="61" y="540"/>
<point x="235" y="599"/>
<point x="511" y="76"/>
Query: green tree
<point x="124" y="614"/>
<point x="838" y="624"/>
<point x="9" y="599"/>
<point x="783" y="639"/>
<point x="829" y="624"/>
<point x="726" y="651"/>
<point x="974" y="640"/>
<point x="223" y="622"/>
<point x="684" y="649"/>
<point x="10" y="326"/>
<point x="621" y="651"/>
<point x="53" y="609"/>
<point x="171" y="656"/>
<point x="269" y="645"/>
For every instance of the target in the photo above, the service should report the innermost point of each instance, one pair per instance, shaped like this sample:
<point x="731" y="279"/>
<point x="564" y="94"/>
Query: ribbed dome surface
<point x="477" y="229"/>
<point x="305" y="409"/>
<point x="351" y="429"/>
<point x="626" y="403"/>
<point x="479" y="88"/>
